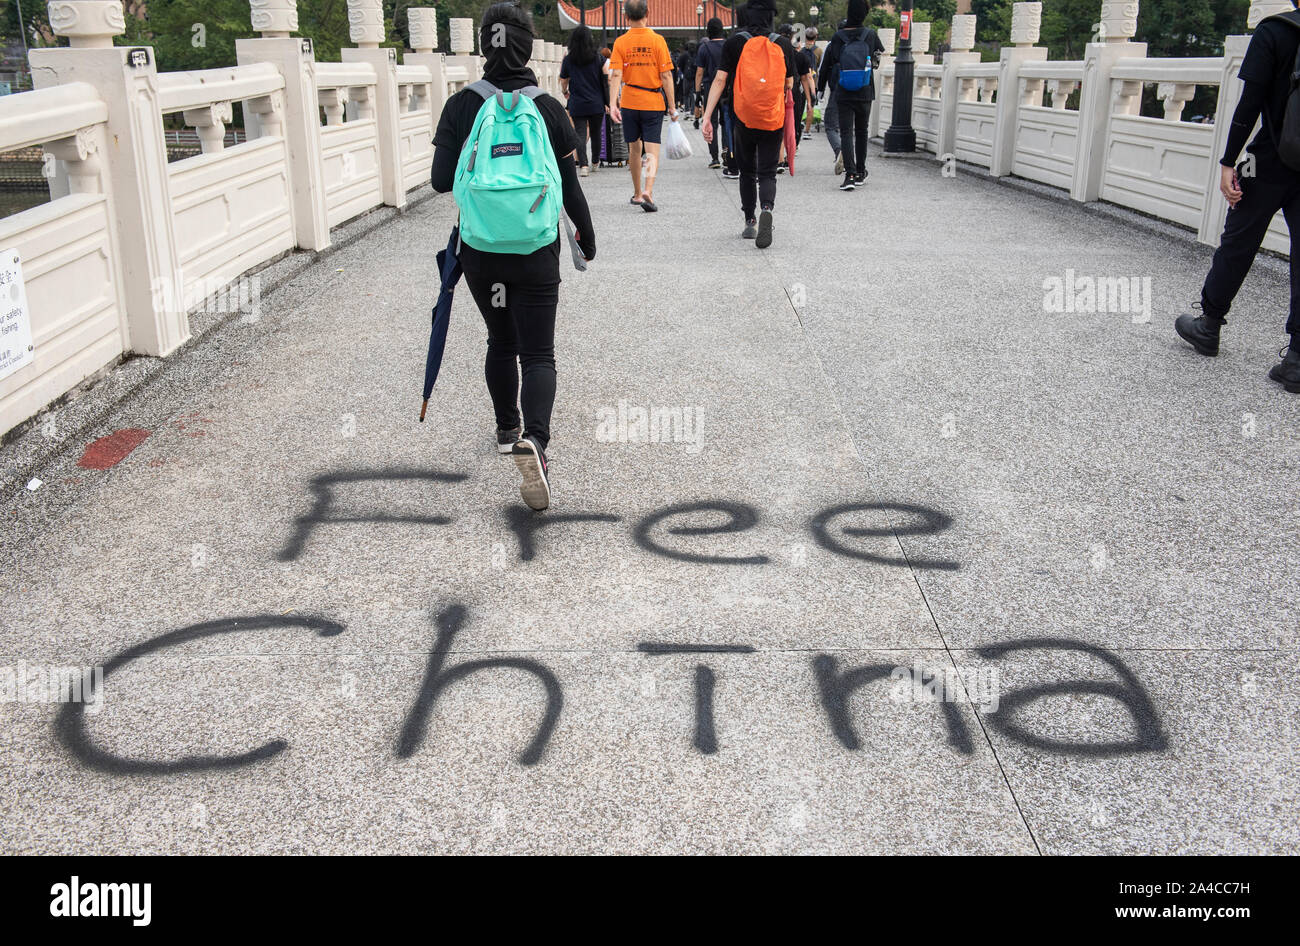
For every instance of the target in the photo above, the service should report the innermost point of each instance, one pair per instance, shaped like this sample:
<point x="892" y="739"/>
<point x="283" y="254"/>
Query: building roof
<point x="666" y="15"/>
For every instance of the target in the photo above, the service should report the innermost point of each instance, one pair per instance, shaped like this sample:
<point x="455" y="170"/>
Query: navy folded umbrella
<point x="449" y="270"/>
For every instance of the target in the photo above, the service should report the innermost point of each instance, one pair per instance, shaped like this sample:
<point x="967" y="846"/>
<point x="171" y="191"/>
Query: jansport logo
<point x="510" y="149"/>
<point x="78" y="899"/>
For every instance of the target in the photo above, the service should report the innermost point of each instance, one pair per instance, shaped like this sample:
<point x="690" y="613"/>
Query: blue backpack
<point x="855" y="63"/>
<point x="507" y="183"/>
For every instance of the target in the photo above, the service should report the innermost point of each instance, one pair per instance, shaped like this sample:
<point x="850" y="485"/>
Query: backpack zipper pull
<point x="538" y="202"/>
<point x="473" y="156"/>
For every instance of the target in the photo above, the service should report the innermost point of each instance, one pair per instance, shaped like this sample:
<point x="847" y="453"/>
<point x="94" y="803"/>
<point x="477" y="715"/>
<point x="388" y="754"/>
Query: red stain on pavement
<point x="109" y="451"/>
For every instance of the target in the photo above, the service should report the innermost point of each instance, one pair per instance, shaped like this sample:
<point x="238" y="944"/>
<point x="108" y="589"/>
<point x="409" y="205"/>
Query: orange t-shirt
<point x="641" y="55"/>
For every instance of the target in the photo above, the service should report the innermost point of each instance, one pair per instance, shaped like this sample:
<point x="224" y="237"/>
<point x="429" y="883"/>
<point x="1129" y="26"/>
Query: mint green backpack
<point x="507" y="179"/>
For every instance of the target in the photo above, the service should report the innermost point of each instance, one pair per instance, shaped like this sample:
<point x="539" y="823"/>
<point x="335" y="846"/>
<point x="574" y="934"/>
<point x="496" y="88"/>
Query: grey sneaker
<point x="751" y="229"/>
<point x="764" y="238"/>
<point x="506" y="438"/>
<point x="530" y="460"/>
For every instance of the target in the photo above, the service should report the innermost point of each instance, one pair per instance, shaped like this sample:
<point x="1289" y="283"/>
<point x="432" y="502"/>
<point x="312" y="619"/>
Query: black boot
<point x="1199" y="331"/>
<point x="1287" y="371"/>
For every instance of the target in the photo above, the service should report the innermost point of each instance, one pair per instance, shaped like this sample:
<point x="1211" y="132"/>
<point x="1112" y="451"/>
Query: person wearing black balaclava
<point x="853" y="105"/>
<point x="517" y="293"/>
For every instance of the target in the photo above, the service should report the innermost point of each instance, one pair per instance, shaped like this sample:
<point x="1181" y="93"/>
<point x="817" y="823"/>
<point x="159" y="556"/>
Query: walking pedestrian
<point x="586" y="91"/>
<point x="855" y="52"/>
<point x="1264" y="183"/>
<point x="641" y="63"/>
<point x="516" y="288"/>
<point x="707" y="60"/>
<point x="763" y="72"/>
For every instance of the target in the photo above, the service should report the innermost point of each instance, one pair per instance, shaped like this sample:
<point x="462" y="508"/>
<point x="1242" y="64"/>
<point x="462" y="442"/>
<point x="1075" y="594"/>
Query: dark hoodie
<point x="506" y="67"/>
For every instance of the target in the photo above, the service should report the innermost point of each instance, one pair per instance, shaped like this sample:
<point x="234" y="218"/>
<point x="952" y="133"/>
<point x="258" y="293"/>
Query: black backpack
<point x="1288" y="136"/>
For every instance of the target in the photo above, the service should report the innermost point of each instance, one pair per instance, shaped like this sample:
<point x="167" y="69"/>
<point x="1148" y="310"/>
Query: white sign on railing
<point x="15" y="320"/>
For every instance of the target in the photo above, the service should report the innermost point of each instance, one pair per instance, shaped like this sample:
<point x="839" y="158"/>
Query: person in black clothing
<point x="757" y="150"/>
<point x="707" y="60"/>
<point x="853" y="105"/>
<point x="582" y="78"/>
<point x="516" y="293"/>
<point x="1256" y="190"/>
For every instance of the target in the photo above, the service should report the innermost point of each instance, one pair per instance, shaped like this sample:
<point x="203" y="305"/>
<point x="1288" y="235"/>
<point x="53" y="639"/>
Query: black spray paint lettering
<point x="1149" y="736"/>
<point x="836" y="689"/>
<point x="437" y="677"/>
<point x="738" y="518"/>
<point x="706" y="730"/>
<point x="932" y="521"/>
<point x="322" y="488"/>
<point x="70" y="724"/>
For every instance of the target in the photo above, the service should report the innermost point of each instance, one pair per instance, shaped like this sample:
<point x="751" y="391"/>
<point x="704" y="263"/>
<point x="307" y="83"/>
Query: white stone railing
<point x="128" y="247"/>
<point x="1160" y="165"/>
<point x="976" y="87"/>
<point x="1047" y="135"/>
<point x="67" y="248"/>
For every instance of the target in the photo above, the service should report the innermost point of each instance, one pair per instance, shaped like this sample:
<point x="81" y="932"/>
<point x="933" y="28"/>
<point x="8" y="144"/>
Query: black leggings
<point x="758" y="152"/>
<point x="587" y="126"/>
<point x="520" y="319"/>
<point x="853" y="133"/>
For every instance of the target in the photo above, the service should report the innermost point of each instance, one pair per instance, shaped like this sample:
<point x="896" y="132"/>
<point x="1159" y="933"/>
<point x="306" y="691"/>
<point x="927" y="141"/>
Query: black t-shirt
<point x="1269" y="60"/>
<point x="588" y="86"/>
<point x="454" y="127"/>
<point x="708" y="57"/>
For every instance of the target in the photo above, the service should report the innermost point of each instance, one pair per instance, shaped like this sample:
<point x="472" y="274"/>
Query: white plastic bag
<point x="676" y="145"/>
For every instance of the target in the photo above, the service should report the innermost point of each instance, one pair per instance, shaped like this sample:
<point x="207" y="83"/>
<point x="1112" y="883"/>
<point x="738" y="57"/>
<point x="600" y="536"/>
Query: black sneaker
<point x="860" y="179"/>
<point x="751" y="229"/>
<point x="506" y="438"/>
<point x="530" y="459"/>
<point x="848" y="184"/>
<point x="782" y="167"/>
<point x="1287" y="372"/>
<point x="1200" y="332"/>
<point x="714" y="165"/>
<point x="648" y="205"/>
<point x="730" y="174"/>
<point x="764" y="238"/>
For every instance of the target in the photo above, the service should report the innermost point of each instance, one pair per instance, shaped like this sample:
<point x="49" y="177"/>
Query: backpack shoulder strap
<point x="1291" y="16"/>
<point x="483" y="88"/>
<point x="774" y="36"/>
<point x="532" y="91"/>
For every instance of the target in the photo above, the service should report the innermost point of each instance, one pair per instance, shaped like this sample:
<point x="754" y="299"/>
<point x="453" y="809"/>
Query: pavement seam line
<point x="830" y="389"/>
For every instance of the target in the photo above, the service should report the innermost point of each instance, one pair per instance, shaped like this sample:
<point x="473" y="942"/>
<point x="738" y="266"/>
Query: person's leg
<point x="1243" y="232"/>
<point x="847" y="141"/>
<point x="532" y="308"/>
<point x="1291" y="210"/>
<point x="500" y="366"/>
<point x="745" y="147"/>
<point x="860" y="137"/>
<point x="582" y="125"/>
<point x="651" y="134"/>
<point x="831" y="119"/>
<point x="767" y="149"/>
<point x="730" y="123"/>
<point x="634" y="165"/>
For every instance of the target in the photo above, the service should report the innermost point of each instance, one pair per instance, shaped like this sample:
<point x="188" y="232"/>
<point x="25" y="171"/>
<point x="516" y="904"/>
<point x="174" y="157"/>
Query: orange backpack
<point x="758" y="95"/>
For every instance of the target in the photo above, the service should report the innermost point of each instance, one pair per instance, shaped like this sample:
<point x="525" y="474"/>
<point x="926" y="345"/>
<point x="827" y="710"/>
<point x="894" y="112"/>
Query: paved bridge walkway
<point x="915" y="561"/>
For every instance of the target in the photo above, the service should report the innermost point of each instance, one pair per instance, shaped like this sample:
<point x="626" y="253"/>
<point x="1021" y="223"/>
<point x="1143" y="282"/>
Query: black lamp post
<point x="812" y="12"/>
<point x="901" y="136"/>
<point x="582" y="12"/>
<point x="699" y="21"/>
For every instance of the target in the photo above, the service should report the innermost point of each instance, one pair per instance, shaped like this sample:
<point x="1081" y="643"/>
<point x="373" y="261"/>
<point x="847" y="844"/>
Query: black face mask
<point x="508" y="62"/>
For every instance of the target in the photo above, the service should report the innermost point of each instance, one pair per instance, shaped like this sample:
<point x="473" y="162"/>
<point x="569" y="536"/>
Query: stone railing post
<point x="962" y="42"/>
<point x="422" y="23"/>
<point x="1118" y="27"/>
<point x="888" y="37"/>
<point x="921" y="44"/>
<point x="366" y="27"/>
<point x="1216" y="208"/>
<point x="277" y="20"/>
<point x="1026" y="21"/>
<point x="462" y="47"/>
<point x="136" y="164"/>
